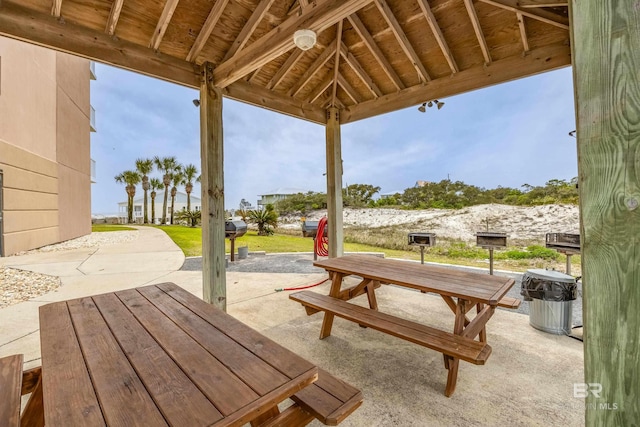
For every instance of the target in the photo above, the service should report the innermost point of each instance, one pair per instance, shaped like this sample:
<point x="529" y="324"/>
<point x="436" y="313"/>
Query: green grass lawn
<point x="99" y="228"/>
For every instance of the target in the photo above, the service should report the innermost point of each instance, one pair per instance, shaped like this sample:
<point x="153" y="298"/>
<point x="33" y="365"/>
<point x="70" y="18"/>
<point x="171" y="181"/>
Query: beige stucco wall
<point x="44" y="146"/>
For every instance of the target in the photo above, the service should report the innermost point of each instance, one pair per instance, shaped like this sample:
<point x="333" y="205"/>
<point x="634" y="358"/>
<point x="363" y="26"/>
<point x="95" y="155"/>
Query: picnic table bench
<point x="461" y="291"/>
<point x="15" y="383"/>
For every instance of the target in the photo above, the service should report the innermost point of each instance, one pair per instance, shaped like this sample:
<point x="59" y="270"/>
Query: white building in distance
<point x="138" y="209"/>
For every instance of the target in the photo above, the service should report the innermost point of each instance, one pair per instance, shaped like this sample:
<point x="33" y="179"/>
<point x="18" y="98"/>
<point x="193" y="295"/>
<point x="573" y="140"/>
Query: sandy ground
<point x="521" y="223"/>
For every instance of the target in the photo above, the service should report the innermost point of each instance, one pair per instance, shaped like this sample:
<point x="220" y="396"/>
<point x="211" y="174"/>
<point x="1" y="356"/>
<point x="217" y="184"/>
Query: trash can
<point x="243" y="252"/>
<point x="550" y="295"/>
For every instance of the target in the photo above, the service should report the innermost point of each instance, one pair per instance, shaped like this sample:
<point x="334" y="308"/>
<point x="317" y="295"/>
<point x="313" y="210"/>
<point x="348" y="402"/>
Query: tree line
<point x="445" y="194"/>
<point x="171" y="172"/>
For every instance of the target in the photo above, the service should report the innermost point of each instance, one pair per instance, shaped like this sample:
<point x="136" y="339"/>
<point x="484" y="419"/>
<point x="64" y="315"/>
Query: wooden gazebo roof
<point x="372" y="56"/>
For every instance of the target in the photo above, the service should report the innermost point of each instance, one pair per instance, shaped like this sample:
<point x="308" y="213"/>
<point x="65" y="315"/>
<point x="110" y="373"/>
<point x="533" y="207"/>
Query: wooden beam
<point x="207" y="29"/>
<point x="523" y="32"/>
<point x="114" y="15"/>
<point x="542" y="3"/>
<point x="321" y="16"/>
<point x="475" y="22"/>
<point x="406" y="46"/>
<point x="45" y="30"/>
<point x="163" y="23"/>
<point x="261" y="97"/>
<point x="56" y="7"/>
<point x="303" y="3"/>
<point x="313" y="69"/>
<point x="606" y="52"/>
<point x="334" y="184"/>
<point x="291" y="61"/>
<point x="319" y="90"/>
<point x="541" y="15"/>
<point x="350" y="91"/>
<point x="368" y="40"/>
<point x="213" y="218"/>
<point x="249" y="28"/>
<point x="437" y="32"/>
<point x="336" y="64"/>
<point x="537" y="61"/>
<point x="360" y="72"/>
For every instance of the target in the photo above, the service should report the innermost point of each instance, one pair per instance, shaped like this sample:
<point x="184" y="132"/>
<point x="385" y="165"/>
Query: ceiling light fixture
<point x="430" y="104"/>
<point x="304" y="39"/>
<point x="196" y="102"/>
<point x="440" y="104"/>
<point x="422" y="108"/>
<point x="572" y="133"/>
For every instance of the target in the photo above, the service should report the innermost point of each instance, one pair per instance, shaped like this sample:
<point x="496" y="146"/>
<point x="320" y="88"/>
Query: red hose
<point x="298" y="288"/>
<point x="321" y="247"/>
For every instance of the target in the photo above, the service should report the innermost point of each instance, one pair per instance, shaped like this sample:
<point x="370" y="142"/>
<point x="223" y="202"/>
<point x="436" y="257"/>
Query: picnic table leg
<point x="453" y="362"/>
<point x="327" y="321"/>
<point x="268" y="414"/>
<point x="483" y="332"/>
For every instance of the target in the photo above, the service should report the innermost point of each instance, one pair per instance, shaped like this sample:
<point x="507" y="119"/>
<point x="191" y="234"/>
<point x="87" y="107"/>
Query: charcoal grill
<point x="233" y="230"/>
<point x="423" y="240"/>
<point x="565" y="243"/>
<point x="491" y="240"/>
<point x="310" y="229"/>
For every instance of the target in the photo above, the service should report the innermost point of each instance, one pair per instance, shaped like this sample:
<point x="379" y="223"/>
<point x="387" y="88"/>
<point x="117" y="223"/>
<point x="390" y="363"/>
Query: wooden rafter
<point x="349" y="90"/>
<point x="357" y="68"/>
<point x="56" y="7"/>
<point x="537" y="61"/>
<point x="336" y="64"/>
<point x="475" y="22"/>
<point x="249" y="28"/>
<point x="375" y="51"/>
<point x="254" y="75"/>
<point x="291" y="61"/>
<point x="114" y="15"/>
<point x="406" y="46"/>
<point x="207" y="29"/>
<point x="539" y="14"/>
<point x="437" y="32"/>
<point x="320" y="89"/>
<point x="303" y="3"/>
<point x="542" y="3"/>
<point x="523" y="32"/>
<point x="313" y="69"/>
<point x="163" y="23"/>
<point x="323" y="15"/>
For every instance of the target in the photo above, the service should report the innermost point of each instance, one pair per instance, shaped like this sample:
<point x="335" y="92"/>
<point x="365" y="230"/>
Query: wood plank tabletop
<point x="158" y="356"/>
<point x="476" y="287"/>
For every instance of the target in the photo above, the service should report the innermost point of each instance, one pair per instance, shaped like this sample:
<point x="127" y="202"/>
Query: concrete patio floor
<point x="528" y="380"/>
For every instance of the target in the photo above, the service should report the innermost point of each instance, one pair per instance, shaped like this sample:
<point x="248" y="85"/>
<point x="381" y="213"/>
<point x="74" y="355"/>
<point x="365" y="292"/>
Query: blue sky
<point x="508" y="135"/>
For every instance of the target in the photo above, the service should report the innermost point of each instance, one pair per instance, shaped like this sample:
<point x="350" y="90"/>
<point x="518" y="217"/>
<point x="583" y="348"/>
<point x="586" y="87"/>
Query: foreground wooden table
<point x="461" y="291"/>
<point x="157" y="356"/>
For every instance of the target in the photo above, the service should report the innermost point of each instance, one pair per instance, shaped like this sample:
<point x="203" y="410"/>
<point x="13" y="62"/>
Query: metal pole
<point x="315" y="254"/>
<point x="491" y="261"/>
<point x="568" y="269"/>
<point x="233" y="249"/>
<point x="421" y="254"/>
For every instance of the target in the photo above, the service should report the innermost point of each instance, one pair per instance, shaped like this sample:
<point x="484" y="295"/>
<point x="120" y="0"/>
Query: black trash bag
<point x="547" y="290"/>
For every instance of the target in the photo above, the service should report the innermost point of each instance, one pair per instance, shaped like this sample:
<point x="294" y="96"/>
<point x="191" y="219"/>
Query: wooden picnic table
<point x="158" y="355"/>
<point x="460" y="290"/>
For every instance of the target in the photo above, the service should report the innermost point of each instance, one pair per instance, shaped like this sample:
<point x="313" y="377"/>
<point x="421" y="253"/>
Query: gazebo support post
<point x="334" y="184"/>
<point x="213" y="228"/>
<point x="606" y="55"/>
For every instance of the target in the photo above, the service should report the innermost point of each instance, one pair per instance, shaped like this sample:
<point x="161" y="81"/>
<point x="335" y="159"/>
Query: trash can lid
<point x="550" y="275"/>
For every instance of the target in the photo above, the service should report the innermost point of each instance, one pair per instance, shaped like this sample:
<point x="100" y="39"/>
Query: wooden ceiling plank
<point x="319" y="90"/>
<point x="511" y="68"/>
<point x="349" y="90"/>
<point x="437" y="32"/>
<point x="375" y="51"/>
<point x="56" y="8"/>
<point x="406" y="46"/>
<point x="475" y="22"/>
<point x="114" y="15"/>
<point x="542" y="3"/>
<point x="163" y="23"/>
<point x="523" y="32"/>
<point x="279" y="40"/>
<point x="539" y="14"/>
<point x="313" y="69"/>
<point x="357" y="68"/>
<point x="336" y="64"/>
<point x="249" y="28"/>
<point x="207" y="29"/>
<point x="286" y="67"/>
<point x="303" y="3"/>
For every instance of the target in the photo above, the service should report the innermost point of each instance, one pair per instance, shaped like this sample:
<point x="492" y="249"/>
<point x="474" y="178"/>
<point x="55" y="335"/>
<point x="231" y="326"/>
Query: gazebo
<point x="376" y="56"/>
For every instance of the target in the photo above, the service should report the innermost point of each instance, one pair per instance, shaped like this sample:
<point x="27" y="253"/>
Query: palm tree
<point x="144" y="168"/>
<point x="178" y="179"/>
<point x="156" y="184"/>
<point x="190" y="171"/>
<point x="267" y="219"/>
<point x="131" y="179"/>
<point x="166" y="165"/>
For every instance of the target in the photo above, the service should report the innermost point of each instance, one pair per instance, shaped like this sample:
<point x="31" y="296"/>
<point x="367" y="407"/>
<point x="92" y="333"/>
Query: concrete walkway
<point x="527" y="381"/>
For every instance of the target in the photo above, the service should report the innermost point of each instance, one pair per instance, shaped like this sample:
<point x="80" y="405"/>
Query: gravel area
<point x="92" y="240"/>
<point x="19" y="285"/>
